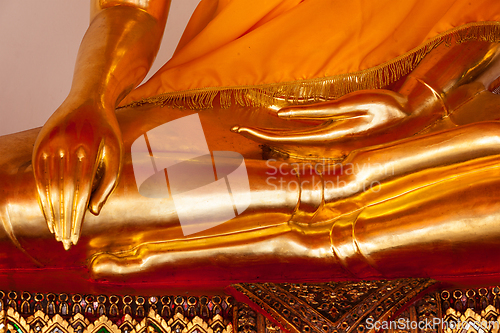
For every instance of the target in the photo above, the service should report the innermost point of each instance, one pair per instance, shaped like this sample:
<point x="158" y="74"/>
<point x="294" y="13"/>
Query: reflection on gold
<point x="379" y="183"/>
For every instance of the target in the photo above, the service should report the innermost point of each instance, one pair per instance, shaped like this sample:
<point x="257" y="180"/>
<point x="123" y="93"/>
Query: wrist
<point x="424" y="97"/>
<point x="95" y="102"/>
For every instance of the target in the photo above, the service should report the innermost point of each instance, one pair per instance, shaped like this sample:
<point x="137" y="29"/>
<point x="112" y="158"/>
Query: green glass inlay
<point x="103" y="330"/>
<point x="18" y="329"/>
<point x="157" y="329"/>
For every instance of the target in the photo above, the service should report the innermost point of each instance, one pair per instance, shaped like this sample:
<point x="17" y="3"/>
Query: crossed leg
<point x="353" y="233"/>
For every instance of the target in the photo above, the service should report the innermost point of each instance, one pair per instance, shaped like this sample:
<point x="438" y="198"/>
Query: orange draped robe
<point x="252" y="52"/>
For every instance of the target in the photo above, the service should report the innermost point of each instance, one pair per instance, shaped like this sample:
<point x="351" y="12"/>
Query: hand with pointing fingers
<point x="357" y="116"/>
<point x="77" y="159"/>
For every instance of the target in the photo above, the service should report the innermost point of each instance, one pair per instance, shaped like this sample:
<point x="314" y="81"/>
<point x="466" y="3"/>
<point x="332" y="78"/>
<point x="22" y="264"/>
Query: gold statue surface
<point x="397" y="182"/>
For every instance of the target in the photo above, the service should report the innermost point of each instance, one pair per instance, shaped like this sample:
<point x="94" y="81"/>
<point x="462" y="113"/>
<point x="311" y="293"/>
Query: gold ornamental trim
<point x="326" y="88"/>
<point x="13" y="322"/>
<point x="62" y="313"/>
<point x="399" y="306"/>
<point x="342" y="307"/>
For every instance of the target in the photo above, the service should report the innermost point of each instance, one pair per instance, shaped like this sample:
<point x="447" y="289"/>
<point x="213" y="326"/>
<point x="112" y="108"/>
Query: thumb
<point x="316" y="111"/>
<point x="109" y="165"/>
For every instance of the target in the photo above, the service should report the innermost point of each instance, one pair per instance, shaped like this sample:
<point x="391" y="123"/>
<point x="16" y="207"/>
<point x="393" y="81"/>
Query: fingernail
<point x="74" y="239"/>
<point x="66" y="244"/>
<point x="96" y="208"/>
<point x="235" y="129"/>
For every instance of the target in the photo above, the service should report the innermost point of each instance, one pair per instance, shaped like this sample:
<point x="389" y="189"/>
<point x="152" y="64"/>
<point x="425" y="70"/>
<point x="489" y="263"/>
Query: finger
<point x="322" y="133"/>
<point x="56" y="197"/>
<point x="83" y="181"/>
<point x="109" y="164"/>
<point x="67" y="188"/>
<point x="330" y="111"/>
<point x="41" y="168"/>
<point x="71" y="189"/>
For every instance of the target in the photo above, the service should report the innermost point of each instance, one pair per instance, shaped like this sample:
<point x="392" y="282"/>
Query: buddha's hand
<point x="357" y="117"/>
<point x="76" y="161"/>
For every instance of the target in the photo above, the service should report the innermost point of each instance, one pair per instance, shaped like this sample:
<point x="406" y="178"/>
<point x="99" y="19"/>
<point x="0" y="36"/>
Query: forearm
<point x="116" y="53"/>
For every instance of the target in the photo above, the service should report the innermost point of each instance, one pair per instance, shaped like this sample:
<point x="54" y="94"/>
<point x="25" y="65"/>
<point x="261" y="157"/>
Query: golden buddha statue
<point x="378" y="183"/>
